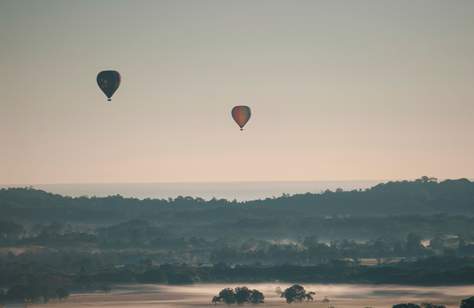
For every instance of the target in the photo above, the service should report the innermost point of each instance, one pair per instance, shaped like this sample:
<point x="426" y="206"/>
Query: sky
<point x="339" y="90"/>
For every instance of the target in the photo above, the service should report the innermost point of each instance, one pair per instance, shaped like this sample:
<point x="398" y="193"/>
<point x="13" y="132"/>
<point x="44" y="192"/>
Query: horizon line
<point x="225" y="182"/>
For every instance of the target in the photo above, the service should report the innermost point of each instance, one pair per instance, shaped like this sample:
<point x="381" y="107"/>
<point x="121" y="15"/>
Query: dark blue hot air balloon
<point x="108" y="82"/>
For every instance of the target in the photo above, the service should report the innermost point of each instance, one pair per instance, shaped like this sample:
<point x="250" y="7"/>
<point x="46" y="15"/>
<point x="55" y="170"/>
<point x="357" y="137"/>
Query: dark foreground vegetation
<point x="242" y="295"/>
<point x="465" y="303"/>
<point x="239" y="295"/>
<point x="33" y="293"/>
<point x="297" y="293"/>
<point x="428" y="271"/>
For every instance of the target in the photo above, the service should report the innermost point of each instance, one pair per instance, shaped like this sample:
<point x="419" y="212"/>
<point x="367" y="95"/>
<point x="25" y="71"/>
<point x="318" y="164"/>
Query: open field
<point x="199" y="295"/>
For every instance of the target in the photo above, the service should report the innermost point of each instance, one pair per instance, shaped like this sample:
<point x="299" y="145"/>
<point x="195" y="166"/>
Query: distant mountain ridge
<point x="424" y="196"/>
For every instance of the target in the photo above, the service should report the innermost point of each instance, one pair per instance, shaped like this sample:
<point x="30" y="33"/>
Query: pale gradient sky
<point x="339" y="90"/>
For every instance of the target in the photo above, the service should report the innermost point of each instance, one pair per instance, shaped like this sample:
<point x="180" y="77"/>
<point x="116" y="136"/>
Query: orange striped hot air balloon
<point x="241" y="115"/>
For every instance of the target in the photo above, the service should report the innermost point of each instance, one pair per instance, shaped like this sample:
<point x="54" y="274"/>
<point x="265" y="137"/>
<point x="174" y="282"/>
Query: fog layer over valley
<point x="198" y="295"/>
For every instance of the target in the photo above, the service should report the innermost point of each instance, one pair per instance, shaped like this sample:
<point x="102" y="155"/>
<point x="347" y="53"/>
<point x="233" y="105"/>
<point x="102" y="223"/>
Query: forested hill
<point x="424" y="196"/>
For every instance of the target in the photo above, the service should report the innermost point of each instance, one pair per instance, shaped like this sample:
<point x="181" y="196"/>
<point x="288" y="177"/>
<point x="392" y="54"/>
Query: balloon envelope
<point x="241" y="115"/>
<point x="108" y="82"/>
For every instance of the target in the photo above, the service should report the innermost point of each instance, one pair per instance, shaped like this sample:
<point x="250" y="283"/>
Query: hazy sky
<point x="339" y="90"/>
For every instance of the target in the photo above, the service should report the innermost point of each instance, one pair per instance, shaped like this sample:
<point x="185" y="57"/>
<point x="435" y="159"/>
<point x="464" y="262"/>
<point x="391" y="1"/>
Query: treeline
<point x="33" y="293"/>
<point x="135" y="240"/>
<point x="310" y="251"/>
<point x="149" y="233"/>
<point x="429" y="271"/>
<point x="425" y="196"/>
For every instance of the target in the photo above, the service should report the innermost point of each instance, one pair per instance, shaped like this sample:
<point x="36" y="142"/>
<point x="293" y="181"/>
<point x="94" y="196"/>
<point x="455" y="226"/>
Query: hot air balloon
<point x="241" y="115"/>
<point x="108" y="82"/>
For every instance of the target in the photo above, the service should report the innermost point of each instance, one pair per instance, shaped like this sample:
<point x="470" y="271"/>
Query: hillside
<point x="424" y="206"/>
<point x="420" y="197"/>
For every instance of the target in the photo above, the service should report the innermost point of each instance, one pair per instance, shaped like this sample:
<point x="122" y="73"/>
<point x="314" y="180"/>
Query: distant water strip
<point x="241" y="191"/>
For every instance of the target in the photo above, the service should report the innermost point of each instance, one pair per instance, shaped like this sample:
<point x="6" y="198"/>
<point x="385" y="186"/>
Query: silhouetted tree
<point x="297" y="293"/>
<point x="227" y="296"/>
<point x="215" y="300"/>
<point x="257" y="297"/>
<point x="239" y="295"/>
<point x="430" y="305"/>
<point x="467" y="302"/>
<point x="242" y="295"/>
<point x="408" y="305"/>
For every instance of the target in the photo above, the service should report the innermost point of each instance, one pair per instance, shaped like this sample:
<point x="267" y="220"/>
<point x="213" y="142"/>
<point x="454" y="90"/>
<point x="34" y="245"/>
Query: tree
<point x="227" y="296"/>
<point x="17" y="292"/>
<point x="297" y="293"/>
<point x="242" y="295"/>
<point x="467" y="302"/>
<point x="257" y="297"/>
<point x="408" y="305"/>
<point x="62" y="293"/>
<point x="430" y="305"/>
<point x="215" y="300"/>
<point x="10" y="230"/>
<point x="239" y="295"/>
<point x="309" y="296"/>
